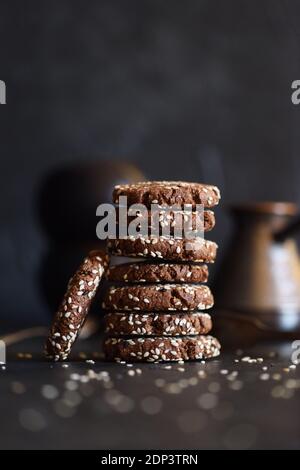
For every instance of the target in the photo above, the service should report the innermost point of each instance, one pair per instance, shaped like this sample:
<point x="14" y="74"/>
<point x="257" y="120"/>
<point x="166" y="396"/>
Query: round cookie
<point x="157" y="324"/>
<point x="170" y="249"/>
<point x="172" y="221"/>
<point x="75" y="305"/>
<point x="159" y="298"/>
<point x="158" y="272"/>
<point x="161" y="349"/>
<point x="168" y="193"/>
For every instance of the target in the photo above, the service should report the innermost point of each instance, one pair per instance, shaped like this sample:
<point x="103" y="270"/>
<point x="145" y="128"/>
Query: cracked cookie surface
<point x="159" y="297"/>
<point x="158" y="272"/>
<point x="168" y="193"/>
<point x="170" y="249"/>
<point x="161" y="349"/>
<point x="157" y="324"/>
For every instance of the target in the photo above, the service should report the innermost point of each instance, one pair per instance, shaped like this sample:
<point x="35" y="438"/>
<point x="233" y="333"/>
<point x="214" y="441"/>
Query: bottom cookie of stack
<point x="160" y="349"/>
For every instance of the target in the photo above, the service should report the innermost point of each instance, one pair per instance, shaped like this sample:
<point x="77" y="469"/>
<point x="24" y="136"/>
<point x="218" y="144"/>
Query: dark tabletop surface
<point x="230" y="403"/>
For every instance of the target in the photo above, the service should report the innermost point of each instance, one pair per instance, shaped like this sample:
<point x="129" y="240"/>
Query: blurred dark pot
<point x="69" y="197"/>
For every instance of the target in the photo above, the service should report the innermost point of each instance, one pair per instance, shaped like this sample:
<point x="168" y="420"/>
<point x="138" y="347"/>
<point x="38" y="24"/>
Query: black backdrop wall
<point x="195" y="90"/>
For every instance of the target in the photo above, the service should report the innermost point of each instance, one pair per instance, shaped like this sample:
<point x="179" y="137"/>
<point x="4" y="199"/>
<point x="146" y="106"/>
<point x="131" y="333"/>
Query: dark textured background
<point x="196" y="90"/>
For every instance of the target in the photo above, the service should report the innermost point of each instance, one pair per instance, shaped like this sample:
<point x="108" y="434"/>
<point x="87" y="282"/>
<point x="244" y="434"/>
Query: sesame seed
<point x="264" y="376"/>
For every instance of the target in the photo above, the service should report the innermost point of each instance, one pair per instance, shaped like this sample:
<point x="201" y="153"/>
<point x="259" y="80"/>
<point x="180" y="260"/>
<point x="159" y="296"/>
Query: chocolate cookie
<point x="177" y="249"/>
<point x="75" y="305"/>
<point x="158" y="272"/>
<point x="168" y="193"/>
<point x="176" y="223"/>
<point x="159" y="297"/>
<point x="157" y="324"/>
<point x="161" y="349"/>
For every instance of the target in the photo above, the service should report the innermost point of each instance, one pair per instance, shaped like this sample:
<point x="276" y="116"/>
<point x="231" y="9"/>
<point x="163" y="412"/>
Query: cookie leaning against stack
<point x="72" y="312"/>
<point x="155" y="307"/>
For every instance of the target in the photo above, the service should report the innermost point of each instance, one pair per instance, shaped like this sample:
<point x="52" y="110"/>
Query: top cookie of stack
<point x="159" y="304"/>
<point x="168" y="193"/>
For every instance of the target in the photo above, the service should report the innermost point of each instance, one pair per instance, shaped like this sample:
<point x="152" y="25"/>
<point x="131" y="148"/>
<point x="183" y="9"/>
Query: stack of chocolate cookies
<point x="156" y="308"/>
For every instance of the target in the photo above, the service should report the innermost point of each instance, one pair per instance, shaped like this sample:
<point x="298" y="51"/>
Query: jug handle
<point x="288" y="231"/>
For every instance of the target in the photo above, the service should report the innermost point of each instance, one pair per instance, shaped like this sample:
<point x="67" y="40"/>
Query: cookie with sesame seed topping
<point x="159" y="349"/>
<point x="159" y="297"/>
<point x="158" y="272"/>
<point x="168" y="193"/>
<point x="157" y="324"/>
<point x="170" y="249"/>
<point x="182" y="220"/>
<point x="75" y="305"/>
